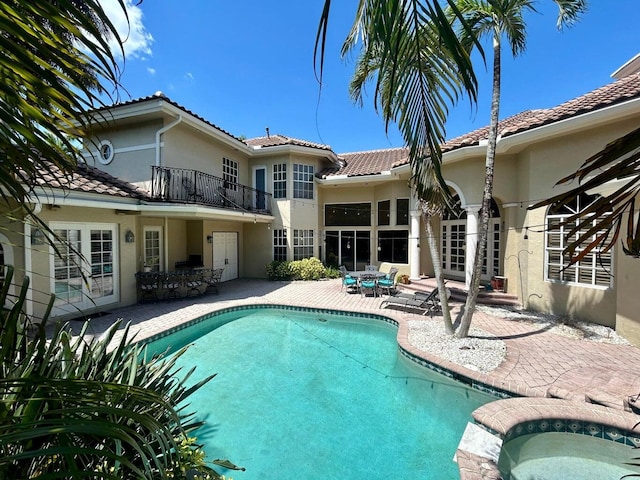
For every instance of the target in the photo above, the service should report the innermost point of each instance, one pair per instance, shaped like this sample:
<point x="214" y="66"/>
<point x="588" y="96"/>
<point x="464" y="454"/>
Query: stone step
<point x="458" y="293"/>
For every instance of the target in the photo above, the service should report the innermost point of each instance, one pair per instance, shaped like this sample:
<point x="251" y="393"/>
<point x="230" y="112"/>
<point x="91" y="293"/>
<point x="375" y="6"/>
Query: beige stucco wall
<point x="256" y="249"/>
<point x="138" y="141"/>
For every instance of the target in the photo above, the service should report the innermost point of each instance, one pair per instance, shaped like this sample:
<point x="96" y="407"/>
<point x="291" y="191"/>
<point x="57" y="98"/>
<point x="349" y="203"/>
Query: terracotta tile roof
<point x="88" y="179"/>
<point x="276" y="140"/>
<point x="367" y="163"/>
<point x="377" y="161"/>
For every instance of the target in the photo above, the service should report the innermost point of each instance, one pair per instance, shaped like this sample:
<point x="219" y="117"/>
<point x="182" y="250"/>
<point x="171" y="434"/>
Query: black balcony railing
<point x="180" y="185"/>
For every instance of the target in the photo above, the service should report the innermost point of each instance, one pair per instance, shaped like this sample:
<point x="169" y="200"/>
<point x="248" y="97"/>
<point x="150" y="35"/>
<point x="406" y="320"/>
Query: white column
<point x="414" y="249"/>
<point x="471" y="243"/>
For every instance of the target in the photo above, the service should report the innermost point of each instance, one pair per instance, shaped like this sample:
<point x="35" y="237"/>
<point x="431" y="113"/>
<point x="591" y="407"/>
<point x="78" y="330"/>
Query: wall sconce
<point x="526" y="233"/>
<point x="129" y="237"/>
<point x="37" y="237"/>
<point x="209" y="238"/>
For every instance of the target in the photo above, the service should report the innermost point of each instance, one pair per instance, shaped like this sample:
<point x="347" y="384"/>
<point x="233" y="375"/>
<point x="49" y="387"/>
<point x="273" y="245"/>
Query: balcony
<point x="180" y="185"/>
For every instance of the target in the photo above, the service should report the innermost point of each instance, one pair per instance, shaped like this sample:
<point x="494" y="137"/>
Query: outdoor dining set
<point x="376" y="282"/>
<point x="369" y="280"/>
<point x="153" y="286"/>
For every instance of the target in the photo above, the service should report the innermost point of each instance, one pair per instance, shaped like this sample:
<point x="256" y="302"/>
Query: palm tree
<point x="420" y="69"/>
<point x="497" y="19"/>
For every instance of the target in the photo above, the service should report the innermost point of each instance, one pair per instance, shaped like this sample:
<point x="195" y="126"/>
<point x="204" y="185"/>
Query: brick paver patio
<point x="538" y="363"/>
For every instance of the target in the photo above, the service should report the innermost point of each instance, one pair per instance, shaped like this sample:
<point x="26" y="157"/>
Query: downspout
<point x="159" y="134"/>
<point x="28" y="260"/>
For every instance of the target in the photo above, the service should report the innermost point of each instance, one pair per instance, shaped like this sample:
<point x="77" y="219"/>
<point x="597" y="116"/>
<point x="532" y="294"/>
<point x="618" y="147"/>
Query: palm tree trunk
<point x="474" y="288"/>
<point x="437" y="267"/>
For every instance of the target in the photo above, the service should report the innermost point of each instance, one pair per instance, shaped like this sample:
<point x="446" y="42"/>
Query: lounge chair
<point x="428" y="302"/>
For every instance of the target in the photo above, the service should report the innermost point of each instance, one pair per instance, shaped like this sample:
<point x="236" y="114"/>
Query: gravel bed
<point x="559" y="325"/>
<point x="482" y="351"/>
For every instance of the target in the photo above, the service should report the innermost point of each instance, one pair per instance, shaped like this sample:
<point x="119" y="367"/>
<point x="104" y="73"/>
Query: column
<point x="471" y="242"/>
<point x="414" y="249"/>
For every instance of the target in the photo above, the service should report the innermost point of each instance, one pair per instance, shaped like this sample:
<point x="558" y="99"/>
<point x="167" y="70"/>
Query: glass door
<point x="84" y="271"/>
<point x="350" y="248"/>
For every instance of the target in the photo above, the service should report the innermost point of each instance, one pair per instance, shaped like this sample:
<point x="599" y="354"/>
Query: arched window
<point x="593" y="269"/>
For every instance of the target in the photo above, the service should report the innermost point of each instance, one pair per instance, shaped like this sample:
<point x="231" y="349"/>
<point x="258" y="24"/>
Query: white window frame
<point x="303" y="184"/>
<point x="280" y="180"/>
<point x="230" y="173"/>
<point x="279" y="243"/>
<point x="596" y="265"/>
<point x="151" y="254"/>
<point x="302" y="244"/>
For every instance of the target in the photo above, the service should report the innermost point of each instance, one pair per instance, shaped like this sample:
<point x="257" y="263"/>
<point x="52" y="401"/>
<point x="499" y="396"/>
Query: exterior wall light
<point x="209" y="238"/>
<point x="37" y="237"/>
<point x="129" y="237"/>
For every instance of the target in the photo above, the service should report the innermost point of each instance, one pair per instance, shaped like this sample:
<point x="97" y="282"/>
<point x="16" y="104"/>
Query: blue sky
<point x="248" y="64"/>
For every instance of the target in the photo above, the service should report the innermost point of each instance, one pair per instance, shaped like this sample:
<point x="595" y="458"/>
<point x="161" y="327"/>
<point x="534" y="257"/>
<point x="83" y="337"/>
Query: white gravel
<point x="482" y="351"/>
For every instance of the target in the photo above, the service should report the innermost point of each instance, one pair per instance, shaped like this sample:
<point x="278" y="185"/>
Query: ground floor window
<point x="393" y="246"/>
<point x="302" y="244"/>
<point x="594" y="269"/>
<point x="280" y="245"/>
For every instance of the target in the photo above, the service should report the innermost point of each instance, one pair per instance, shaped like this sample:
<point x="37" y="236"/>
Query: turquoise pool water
<point x="303" y="395"/>
<point x="561" y="456"/>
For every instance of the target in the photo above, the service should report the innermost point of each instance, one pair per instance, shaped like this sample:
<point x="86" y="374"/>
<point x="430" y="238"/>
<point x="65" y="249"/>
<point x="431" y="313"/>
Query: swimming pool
<point x="304" y="394"/>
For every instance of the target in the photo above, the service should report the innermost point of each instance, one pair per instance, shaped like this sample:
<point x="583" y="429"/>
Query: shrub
<point x="91" y="406"/>
<point x="331" y="272"/>
<point x="307" y="269"/>
<point x="278" y="270"/>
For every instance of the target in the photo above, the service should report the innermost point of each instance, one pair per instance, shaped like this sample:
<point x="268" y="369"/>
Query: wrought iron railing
<point x="181" y="185"/>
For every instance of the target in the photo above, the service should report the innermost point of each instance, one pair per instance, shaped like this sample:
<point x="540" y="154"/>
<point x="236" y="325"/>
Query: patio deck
<point x="538" y="363"/>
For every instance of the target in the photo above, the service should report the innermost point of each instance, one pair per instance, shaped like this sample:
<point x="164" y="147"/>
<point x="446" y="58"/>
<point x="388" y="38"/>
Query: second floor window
<point x="280" y="180"/>
<point x="230" y="173"/>
<point x="302" y="181"/>
<point x="402" y="211"/>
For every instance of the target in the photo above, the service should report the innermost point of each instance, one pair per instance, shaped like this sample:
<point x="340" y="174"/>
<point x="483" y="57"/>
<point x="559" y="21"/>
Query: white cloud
<point x="188" y="76"/>
<point x="152" y="71"/>
<point x="136" y="39"/>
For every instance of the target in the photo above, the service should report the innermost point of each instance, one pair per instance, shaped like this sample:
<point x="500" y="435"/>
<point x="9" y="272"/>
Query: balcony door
<point x="260" y="184"/>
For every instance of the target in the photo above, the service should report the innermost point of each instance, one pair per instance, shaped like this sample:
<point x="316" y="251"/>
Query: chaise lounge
<point x="428" y="302"/>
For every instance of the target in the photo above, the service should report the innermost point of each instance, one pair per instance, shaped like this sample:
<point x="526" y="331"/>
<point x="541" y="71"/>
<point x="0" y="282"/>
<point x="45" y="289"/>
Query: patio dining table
<point x="373" y="273"/>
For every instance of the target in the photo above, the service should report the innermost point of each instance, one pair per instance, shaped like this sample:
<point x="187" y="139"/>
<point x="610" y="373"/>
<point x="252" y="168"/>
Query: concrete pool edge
<point x="502" y="417"/>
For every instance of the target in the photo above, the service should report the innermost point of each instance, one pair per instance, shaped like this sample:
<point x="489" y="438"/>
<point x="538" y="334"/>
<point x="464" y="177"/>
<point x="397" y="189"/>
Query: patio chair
<point x="190" y="189"/>
<point x="194" y="281"/>
<point x="428" y="302"/>
<point x="388" y="283"/>
<point x="171" y="285"/>
<point x="212" y="279"/>
<point x="347" y="280"/>
<point x="370" y="268"/>
<point x="148" y="284"/>
<point x="368" y="282"/>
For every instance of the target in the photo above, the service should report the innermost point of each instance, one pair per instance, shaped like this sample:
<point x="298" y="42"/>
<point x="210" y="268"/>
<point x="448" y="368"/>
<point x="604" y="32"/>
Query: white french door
<point x="225" y="254"/>
<point x="84" y="272"/>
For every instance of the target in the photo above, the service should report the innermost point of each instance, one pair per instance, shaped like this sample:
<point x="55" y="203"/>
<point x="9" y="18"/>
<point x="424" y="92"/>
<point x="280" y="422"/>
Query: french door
<point x="225" y="254"/>
<point x="84" y="271"/>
